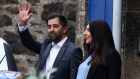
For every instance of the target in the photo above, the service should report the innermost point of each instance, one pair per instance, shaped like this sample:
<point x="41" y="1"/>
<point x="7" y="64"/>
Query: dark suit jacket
<point x="111" y="71"/>
<point x="67" y="60"/>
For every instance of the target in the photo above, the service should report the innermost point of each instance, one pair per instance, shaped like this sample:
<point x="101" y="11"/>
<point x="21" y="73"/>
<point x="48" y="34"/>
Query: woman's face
<point x="87" y="35"/>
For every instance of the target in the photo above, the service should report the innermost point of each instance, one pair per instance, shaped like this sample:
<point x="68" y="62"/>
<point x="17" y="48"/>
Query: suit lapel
<point x="45" y="54"/>
<point x="60" y="54"/>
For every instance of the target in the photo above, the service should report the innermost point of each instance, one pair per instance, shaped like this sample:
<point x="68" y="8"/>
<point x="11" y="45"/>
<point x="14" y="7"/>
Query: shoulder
<point x="47" y="40"/>
<point x="113" y="53"/>
<point x="74" y="49"/>
<point x="45" y="43"/>
<point x="113" y="56"/>
<point x="75" y="53"/>
<point x="2" y="40"/>
<point x="73" y="46"/>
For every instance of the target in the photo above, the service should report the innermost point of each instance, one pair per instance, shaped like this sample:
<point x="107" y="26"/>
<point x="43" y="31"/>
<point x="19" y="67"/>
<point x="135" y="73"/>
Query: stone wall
<point x="82" y="20"/>
<point x="26" y="59"/>
<point x="130" y="35"/>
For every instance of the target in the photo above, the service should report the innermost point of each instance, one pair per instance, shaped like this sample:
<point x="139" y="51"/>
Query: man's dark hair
<point x="63" y="20"/>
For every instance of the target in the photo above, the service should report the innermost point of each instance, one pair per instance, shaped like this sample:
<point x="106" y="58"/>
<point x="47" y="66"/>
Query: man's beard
<point x="56" y="37"/>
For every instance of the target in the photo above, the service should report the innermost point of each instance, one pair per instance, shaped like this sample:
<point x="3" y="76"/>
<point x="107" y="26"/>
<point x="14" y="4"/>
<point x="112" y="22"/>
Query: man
<point x="56" y="51"/>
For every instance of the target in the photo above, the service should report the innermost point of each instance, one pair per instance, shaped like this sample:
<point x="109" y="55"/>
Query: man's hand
<point x="24" y="15"/>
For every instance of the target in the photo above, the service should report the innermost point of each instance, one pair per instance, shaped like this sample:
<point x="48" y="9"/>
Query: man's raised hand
<point x="24" y="15"/>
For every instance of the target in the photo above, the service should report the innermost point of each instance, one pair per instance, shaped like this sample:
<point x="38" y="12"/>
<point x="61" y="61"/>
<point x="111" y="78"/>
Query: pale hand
<point x="24" y="15"/>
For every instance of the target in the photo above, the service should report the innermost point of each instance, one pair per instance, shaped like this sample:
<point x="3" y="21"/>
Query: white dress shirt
<point x="52" y="56"/>
<point x="22" y="28"/>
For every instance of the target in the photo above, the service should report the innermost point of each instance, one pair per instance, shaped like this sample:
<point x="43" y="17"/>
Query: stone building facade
<point x="130" y="36"/>
<point x="76" y="12"/>
<point x="71" y="9"/>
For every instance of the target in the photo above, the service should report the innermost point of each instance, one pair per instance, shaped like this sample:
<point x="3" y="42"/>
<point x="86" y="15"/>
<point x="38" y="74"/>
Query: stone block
<point x="12" y="9"/>
<point x="5" y="20"/>
<point x="8" y="2"/>
<point x="51" y="8"/>
<point x="71" y="31"/>
<point x="70" y="10"/>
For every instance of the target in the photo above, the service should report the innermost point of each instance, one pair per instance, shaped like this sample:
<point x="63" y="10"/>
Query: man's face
<point x="55" y="30"/>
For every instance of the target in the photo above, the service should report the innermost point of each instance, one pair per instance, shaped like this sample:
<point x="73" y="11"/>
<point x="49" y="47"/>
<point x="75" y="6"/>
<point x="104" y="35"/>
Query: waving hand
<point x="24" y="15"/>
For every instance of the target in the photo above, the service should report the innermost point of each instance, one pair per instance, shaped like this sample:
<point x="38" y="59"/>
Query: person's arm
<point x="28" y="41"/>
<point x="114" y="65"/>
<point x="75" y="61"/>
<point x="25" y="35"/>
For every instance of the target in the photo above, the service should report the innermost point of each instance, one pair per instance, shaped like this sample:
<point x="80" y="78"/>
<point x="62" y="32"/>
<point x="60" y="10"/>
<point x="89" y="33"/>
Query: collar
<point x="61" y="42"/>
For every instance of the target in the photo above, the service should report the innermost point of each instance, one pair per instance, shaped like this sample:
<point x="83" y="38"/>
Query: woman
<point x="101" y="60"/>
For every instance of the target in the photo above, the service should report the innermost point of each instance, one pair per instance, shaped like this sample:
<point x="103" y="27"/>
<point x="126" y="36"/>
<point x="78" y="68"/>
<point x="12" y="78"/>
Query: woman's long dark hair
<point x="102" y="42"/>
